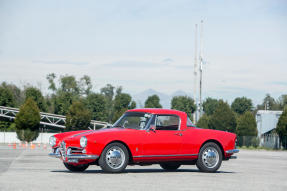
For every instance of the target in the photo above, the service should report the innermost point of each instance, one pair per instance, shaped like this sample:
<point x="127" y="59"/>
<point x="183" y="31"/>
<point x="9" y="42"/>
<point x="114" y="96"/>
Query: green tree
<point x="246" y="129"/>
<point x="97" y="104"/>
<point x="210" y="105"/>
<point x="153" y="102"/>
<point x="51" y="79"/>
<point x="183" y="103"/>
<point x="241" y="105"/>
<point x="63" y="101"/>
<point x="4" y="125"/>
<point x="283" y="101"/>
<point x="62" y="97"/>
<point x="7" y="126"/>
<point x="69" y="84"/>
<point x="223" y="118"/>
<point x="122" y="102"/>
<point x="281" y="128"/>
<point x="16" y="92"/>
<point x="269" y="103"/>
<point x="108" y="92"/>
<point x="27" y="135"/>
<point x="27" y="121"/>
<point x="246" y="125"/>
<point x="78" y="117"/>
<point x="6" y="97"/>
<point x="85" y="85"/>
<point x="37" y="96"/>
<point x="203" y="122"/>
<point x="133" y="105"/>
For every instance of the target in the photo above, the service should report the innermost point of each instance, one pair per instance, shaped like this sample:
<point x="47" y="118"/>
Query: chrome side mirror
<point x="152" y="128"/>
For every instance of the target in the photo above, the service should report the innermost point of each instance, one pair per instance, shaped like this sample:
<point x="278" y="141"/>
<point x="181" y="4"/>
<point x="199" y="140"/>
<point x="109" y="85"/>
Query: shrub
<point x="27" y="121"/>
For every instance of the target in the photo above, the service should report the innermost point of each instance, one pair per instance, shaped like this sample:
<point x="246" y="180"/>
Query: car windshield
<point x="133" y="120"/>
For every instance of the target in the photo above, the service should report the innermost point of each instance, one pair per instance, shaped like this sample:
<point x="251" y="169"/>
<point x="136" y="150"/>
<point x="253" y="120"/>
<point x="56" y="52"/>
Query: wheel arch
<point x="216" y="142"/>
<point x="119" y="141"/>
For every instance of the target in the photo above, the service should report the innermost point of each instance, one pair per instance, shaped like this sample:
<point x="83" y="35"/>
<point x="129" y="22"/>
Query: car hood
<point x="74" y="138"/>
<point x="100" y="131"/>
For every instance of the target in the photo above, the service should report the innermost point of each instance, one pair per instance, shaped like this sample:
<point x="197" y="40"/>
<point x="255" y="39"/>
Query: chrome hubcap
<point x="210" y="157"/>
<point x="115" y="157"/>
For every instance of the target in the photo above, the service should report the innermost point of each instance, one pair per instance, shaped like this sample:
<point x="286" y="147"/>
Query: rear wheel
<point x="76" y="168"/>
<point x="209" y="158"/>
<point x="114" y="158"/>
<point x="170" y="166"/>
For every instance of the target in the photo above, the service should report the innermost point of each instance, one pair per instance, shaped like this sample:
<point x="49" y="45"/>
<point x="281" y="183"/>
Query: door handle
<point x="179" y="134"/>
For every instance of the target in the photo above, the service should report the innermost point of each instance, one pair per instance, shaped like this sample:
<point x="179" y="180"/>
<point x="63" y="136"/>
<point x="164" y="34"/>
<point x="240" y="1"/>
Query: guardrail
<point x="48" y="119"/>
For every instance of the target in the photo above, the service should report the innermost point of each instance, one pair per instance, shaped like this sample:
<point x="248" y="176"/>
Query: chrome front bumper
<point x="232" y="151"/>
<point x="57" y="154"/>
<point x="74" y="156"/>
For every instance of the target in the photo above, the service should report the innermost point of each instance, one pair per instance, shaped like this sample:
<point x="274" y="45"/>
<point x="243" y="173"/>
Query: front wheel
<point x="76" y="168"/>
<point x="114" y="158"/>
<point x="209" y="158"/>
<point x="169" y="166"/>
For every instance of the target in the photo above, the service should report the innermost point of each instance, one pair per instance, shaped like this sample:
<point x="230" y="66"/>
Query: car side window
<point x="167" y="122"/>
<point x="189" y="123"/>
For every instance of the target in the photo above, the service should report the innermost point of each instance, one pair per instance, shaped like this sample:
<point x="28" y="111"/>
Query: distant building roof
<point x="268" y="112"/>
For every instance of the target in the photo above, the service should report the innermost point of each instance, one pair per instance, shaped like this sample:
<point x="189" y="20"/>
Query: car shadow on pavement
<point x="139" y="171"/>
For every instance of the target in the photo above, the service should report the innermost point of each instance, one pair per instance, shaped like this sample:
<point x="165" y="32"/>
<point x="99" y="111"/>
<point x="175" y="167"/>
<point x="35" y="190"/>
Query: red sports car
<point x="145" y="136"/>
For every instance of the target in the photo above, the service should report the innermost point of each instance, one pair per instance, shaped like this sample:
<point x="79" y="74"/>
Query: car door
<point x="163" y="138"/>
<point x="190" y="144"/>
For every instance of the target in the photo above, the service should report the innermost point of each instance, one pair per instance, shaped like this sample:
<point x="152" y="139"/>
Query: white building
<point x="266" y="122"/>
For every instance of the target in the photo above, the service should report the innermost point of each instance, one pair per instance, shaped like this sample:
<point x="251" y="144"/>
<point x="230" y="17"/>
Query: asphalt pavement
<point x="27" y="169"/>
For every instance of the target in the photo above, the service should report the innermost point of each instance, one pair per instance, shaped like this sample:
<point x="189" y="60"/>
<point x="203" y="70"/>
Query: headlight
<point x="83" y="141"/>
<point x="52" y="141"/>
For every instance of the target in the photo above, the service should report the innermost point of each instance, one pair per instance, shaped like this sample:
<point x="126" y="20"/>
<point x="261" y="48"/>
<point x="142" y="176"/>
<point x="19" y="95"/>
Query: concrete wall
<point x="11" y="137"/>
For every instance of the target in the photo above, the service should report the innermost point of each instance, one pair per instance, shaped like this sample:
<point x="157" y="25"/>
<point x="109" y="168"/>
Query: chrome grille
<point x="76" y="150"/>
<point x="63" y="149"/>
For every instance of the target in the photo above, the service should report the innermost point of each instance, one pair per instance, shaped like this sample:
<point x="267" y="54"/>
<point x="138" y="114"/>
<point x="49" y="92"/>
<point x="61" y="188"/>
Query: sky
<point x="148" y="44"/>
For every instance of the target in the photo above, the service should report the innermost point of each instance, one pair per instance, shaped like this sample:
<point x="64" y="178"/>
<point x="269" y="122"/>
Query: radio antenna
<point x="200" y="68"/>
<point x="195" y="76"/>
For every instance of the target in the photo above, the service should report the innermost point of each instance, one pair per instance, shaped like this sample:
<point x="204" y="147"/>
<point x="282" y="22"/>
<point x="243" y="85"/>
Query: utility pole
<point x="195" y="76"/>
<point x="200" y="69"/>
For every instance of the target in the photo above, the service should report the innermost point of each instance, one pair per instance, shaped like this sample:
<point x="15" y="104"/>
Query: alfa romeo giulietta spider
<point x="144" y="137"/>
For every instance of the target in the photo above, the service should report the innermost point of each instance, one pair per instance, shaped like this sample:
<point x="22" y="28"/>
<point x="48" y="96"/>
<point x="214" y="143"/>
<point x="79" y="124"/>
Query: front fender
<point x="60" y="136"/>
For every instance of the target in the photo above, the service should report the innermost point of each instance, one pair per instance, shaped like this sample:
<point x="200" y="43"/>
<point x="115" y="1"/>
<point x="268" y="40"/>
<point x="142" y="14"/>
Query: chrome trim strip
<point x="82" y="156"/>
<point x="75" y="156"/>
<point x="165" y="155"/>
<point x="232" y="151"/>
<point x="54" y="155"/>
<point x="83" y="133"/>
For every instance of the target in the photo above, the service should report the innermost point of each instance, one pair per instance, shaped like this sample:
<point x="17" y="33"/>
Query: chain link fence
<point x="268" y="141"/>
